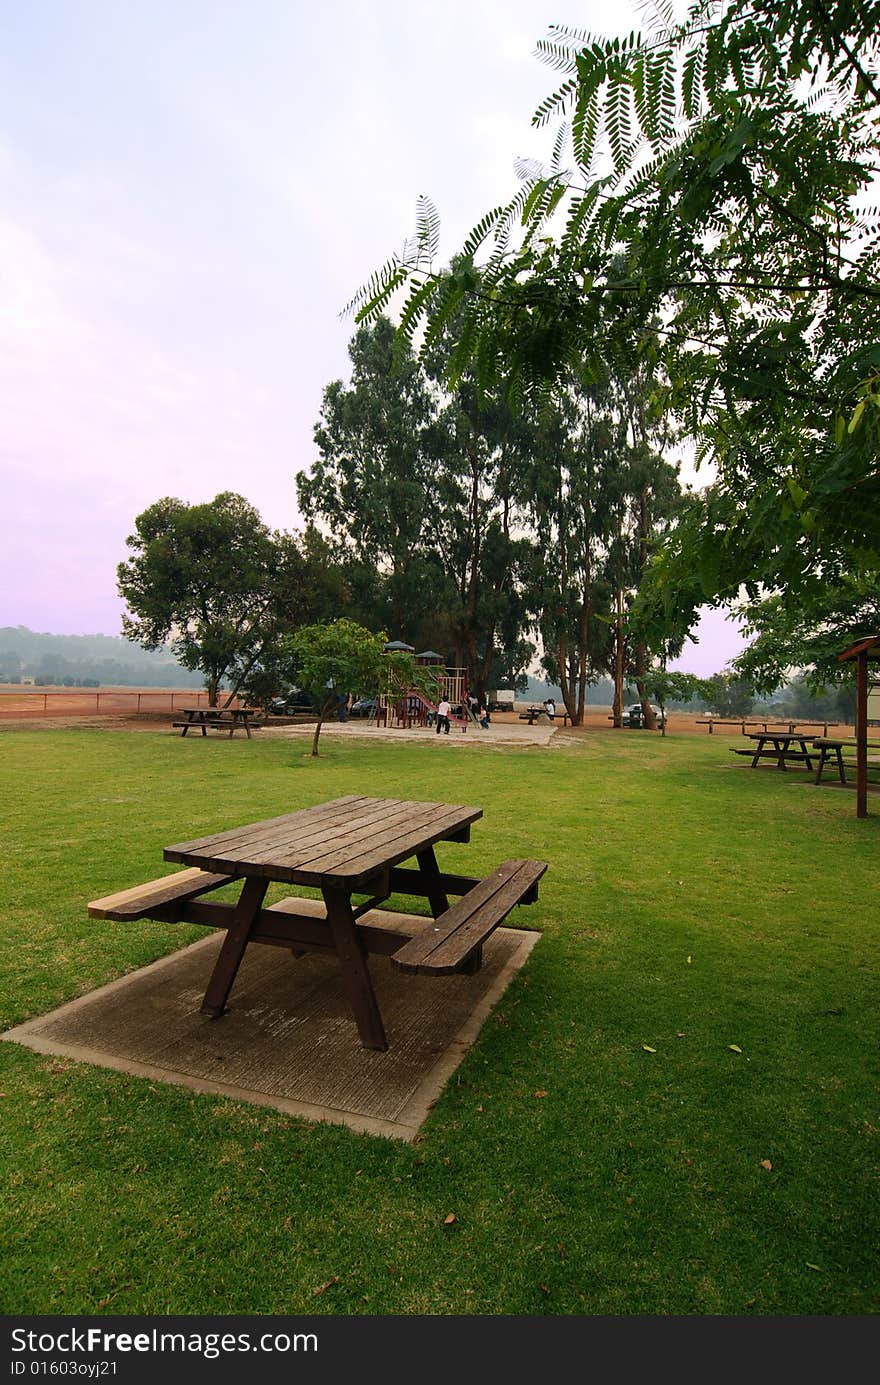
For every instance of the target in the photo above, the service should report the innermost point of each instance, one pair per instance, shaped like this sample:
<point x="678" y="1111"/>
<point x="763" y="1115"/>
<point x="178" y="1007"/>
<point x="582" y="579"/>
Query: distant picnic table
<point x="229" y="719"/>
<point x="789" y="726"/>
<point x="532" y="714"/>
<point x="784" y="747"/>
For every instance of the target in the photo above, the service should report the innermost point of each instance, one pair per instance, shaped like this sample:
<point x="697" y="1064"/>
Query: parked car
<point x="293" y="701"/>
<point x="364" y="707"/>
<point x="633" y="715"/>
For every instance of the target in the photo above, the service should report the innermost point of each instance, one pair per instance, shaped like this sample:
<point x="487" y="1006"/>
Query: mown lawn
<point x="691" y="906"/>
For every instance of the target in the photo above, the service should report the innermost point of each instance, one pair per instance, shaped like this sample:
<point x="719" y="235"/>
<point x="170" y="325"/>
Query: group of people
<point x="444" y="712"/>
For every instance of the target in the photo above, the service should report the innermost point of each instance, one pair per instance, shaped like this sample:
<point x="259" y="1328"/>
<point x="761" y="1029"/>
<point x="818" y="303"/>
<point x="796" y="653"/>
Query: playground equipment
<point x="408" y="706"/>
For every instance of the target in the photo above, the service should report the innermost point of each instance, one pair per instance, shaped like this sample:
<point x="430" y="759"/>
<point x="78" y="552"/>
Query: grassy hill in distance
<point x="109" y="659"/>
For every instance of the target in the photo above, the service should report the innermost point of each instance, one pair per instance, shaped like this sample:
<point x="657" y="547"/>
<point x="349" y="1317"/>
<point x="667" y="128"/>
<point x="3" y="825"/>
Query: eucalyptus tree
<point x="373" y="483"/>
<point x="564" y="482"/>
<point x="413" y="484"/>
<point x="475" y="530"/>
<point x="712" y="174"/>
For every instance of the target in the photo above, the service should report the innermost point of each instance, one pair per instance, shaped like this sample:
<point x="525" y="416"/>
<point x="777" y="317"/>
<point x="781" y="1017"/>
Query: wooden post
<point x="862" y="735"/>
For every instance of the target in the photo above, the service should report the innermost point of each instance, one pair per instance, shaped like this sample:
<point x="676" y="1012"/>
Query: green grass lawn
<point x="690" y="906"/>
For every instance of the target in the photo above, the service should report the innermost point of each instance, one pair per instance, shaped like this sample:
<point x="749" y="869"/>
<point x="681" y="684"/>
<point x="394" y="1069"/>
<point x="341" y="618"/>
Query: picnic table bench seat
<point x="143" y="901"/>
<point x="454" y="940"/>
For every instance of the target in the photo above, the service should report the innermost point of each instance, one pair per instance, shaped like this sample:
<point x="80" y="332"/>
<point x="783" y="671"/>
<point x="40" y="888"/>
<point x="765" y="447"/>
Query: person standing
<point x="550" y="708"/>
<point x="484" y="717"/>
<point x="443" y="711"/>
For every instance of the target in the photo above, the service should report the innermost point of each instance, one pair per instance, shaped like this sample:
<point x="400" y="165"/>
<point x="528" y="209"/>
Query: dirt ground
<point x="597" y="719"/>
<point x="154" y="709"/>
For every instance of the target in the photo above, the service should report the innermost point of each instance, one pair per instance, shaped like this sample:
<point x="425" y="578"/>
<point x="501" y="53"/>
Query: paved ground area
<point x="498" y="733"/>
<point x="288" y="1040"/>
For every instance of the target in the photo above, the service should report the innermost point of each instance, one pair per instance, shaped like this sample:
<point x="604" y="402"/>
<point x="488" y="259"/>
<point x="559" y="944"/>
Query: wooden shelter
<point x="864" y="652"/>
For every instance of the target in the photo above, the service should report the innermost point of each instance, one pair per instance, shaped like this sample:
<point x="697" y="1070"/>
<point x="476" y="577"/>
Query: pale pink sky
<point x="189" y="194"/>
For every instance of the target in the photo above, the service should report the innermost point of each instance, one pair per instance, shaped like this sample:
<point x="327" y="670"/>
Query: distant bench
<point x="841" y="754"/>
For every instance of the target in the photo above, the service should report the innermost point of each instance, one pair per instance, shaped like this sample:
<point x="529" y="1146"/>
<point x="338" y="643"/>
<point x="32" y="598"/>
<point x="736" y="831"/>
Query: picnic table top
<point x="220" y="711"/>
<point x="345" y="842"/>
<point x="778" y="736"/>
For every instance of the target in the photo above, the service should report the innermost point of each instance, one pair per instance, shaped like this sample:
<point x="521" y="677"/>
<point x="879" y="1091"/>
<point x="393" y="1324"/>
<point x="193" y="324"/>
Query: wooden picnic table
<point x="743" y="722"/>
<point x="349" y="847"/>
<point x="229" y="719"/>
<point x="532" y="714"/>
<point x="781" y="751"/>
<point x="841" y="752"/>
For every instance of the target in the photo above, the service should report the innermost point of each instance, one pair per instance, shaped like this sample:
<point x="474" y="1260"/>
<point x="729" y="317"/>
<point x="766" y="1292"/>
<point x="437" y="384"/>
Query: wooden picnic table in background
<point x="229" y="719"/>
<point x="782" y="752"/>
<point x="533" y="714"/>
<point x="743" y="722"/>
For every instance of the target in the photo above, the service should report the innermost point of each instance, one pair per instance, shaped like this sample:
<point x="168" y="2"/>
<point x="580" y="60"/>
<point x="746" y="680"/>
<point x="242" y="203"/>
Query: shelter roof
<point x="869" y="646"/>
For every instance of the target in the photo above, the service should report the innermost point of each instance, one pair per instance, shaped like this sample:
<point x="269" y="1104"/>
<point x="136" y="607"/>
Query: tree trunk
<point x="619" y="664"/>
<point x="318" y="725"/>
<point x="649" y="720"/>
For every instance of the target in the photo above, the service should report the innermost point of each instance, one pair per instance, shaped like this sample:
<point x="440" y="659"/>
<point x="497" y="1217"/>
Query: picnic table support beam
<point x="431" y="885"/>
<point x="353" y="967"/>
<point x="234" y="944"/>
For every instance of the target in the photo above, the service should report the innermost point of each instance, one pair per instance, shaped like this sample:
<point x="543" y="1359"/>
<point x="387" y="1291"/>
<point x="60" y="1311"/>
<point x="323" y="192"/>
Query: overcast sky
<point x="190" y="192"/>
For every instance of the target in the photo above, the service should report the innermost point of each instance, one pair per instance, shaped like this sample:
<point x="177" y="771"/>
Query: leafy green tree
<point x="728" y="694"/>
<point x="218" y="585"/>
<point x="415" y="487"/>
<point x="711" y="175"/>
<point x="372" y="484"/>
<point x="326" y="660"/>
<point x="666" y="686"/>
<point x="809" y="635"/>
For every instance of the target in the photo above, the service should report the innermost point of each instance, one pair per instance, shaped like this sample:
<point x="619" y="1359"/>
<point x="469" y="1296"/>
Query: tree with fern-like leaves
<point x="712" y="177"/>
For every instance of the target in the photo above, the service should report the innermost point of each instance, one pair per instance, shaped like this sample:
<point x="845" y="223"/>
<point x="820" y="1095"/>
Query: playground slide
<point x="425" y="705"/>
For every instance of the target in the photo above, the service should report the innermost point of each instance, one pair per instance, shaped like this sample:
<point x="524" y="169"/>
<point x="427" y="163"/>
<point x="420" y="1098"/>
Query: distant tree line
<point x="435" y="512"/>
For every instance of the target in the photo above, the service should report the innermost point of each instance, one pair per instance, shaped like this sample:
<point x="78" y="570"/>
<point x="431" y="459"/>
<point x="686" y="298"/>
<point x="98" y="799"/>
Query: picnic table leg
<point x="430" y="871"/>
<point x="234" y="944"/>
<point x="354" y="969"/>
<point x="757" y="755"/>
